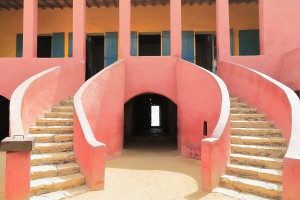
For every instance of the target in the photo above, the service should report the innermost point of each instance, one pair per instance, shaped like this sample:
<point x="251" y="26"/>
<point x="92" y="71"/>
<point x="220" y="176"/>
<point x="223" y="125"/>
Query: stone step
<point x="46" y="185"/>
<point x="257" y="187"/>
<point x="234" y="99"/>
<point x="238" y="195"/>
<point x="243" y="110"/>
<point x="51" y="137"/>
<point x="254" y="150"/>
<point x="51" y="129"/>
<point x="62" y="194"/>
<point x="66" y="102"/>
<point x="71" y="97"/>
<point x="58" y="115"/>
<point x="52" y="147"/>
<point x="54" y="122"/>
<point x="62" y="109"/>
<point x="258" y="140"/>
<point x="272" y="132"/>
<point x="272" y="175"/>
<point x="43" y="171"/>
<point x="251" y="124"/>
<point x="256" y="161"/>
<point x="52" y="158"/>
<point x="249" y="117"/>
<point x="238" y="105"/>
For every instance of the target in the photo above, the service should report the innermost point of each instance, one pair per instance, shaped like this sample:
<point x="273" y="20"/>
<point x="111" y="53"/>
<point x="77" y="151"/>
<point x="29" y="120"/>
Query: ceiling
<point x="51" y="4"/>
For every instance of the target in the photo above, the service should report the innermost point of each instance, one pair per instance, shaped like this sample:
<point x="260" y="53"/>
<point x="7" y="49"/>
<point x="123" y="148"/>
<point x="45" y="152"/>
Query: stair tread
<point x="276" y="172"/>
<point x="238" y="195"/>
<point x="259" y="146"/>
<point x="256" y="157"/>
<point x="258" y="183"/>
<point x="51" y="180"/>
<point x="41" y="168"/>
<point x="243" y="137"/>
<point x="49" y="144"/>
<point x="263" y="128"/>
<point x="51" y="137"/>
<point x="54" y="118"/>
<point x="62" y="194"/>
<point x="35" y="126"/>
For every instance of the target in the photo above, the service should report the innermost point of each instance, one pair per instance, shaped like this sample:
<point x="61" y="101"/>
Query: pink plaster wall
<point x="98" y="116"/>
<point x="17" y="180"/>
<point x="280" y="104"/>
<point x="199" y="95"/>
<point x="199" y="99"/>
<point x="279" y="25"/>
<point x="37" y="94"/>
<point x="29" y="101"/>
<point x="290" y="71"/>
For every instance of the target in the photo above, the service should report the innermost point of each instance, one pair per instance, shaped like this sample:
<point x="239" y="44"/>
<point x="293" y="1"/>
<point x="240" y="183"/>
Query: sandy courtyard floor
<point x="147" y="170"/>
<point x="152" y="170"/>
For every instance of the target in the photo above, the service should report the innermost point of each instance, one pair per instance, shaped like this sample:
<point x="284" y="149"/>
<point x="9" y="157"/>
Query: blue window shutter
<point x="111" y="48"/>
<point x="249" y="42"/>
<point x="58" y="45"/>
<point x="188" y="46"/>
<point x="166" y="49"/>
<point x="231" y="42"/>
<point x="19" y="46"/>
<point x="70" y="45"/>
<point x="133" y="43"/>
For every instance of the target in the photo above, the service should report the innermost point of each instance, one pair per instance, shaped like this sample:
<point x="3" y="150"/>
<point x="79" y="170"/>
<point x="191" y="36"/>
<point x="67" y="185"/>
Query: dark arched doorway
<point x="4" y="117"/>
<point x="150" y="117"/>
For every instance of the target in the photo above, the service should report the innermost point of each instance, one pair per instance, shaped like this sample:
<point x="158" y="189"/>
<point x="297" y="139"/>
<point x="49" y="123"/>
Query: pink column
<point x="176" y="45"/>
<point x="261" y="7"/>
<point x="79" y="29"/>
<point x="223" y="37"/>
<point x="30" y="15"/>
<point x="124" y="28"/>
<point x="17" y="183"/>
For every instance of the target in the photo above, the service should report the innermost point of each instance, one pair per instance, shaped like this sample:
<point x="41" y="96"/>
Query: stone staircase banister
<point x="90" y="152"/>
<point x="280" y="104"/>
<point x="29" y="101"/>
<point x="217" y="146"/>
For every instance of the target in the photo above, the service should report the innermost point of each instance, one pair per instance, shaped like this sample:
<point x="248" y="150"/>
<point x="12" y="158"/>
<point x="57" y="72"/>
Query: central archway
<point x="150" y="117"/>
<point x="4" y="117"/>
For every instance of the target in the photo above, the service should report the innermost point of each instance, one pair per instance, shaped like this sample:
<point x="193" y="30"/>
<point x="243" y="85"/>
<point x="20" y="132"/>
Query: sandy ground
<point x="152" y="170"/>
<point x="147" y="170"/>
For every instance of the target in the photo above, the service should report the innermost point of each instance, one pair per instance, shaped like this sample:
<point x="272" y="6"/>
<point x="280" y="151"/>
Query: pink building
<point x="188" y="57"/>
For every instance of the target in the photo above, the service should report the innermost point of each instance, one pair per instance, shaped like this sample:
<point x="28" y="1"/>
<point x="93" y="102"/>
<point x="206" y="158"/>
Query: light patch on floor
<point x="156" y="173"/>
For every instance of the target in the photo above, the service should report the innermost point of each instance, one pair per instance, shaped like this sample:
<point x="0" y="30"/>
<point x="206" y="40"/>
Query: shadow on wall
<point x="4" y="117"/>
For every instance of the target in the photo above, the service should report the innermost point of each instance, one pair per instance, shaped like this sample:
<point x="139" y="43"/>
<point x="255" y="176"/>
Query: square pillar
<point x="79" y="29"/>
<point x="17" y="182"/>
<point x="175" y="14"/>
<point x="124" y="28"/>
<point x="30" y="19"/>
<point x="223" y="29"/>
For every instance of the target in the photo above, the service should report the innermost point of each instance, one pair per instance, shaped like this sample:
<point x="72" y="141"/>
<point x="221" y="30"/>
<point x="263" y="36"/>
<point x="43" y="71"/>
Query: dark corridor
<point x="44" y="46"/>
<point x="4" y="117"/>
<point x="149" y="45"/>
<point x="138" y="122"/>
<point x="94" y="55"/>
<point x="205" y="50"/>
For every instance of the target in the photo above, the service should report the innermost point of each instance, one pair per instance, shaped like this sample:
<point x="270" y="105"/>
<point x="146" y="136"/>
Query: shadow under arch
<point x="137" y="118"/>
<point x="4" y="117"/>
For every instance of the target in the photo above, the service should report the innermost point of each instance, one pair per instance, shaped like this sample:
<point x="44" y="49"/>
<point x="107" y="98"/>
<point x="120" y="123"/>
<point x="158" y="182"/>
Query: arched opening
<point x="4" y="117"/>
<point x="150" y="119"/>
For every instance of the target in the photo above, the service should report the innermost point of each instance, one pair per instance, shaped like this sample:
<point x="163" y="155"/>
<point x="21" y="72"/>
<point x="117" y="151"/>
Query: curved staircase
<point x="256" y="160"/>
<point x="54" y="172"/>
